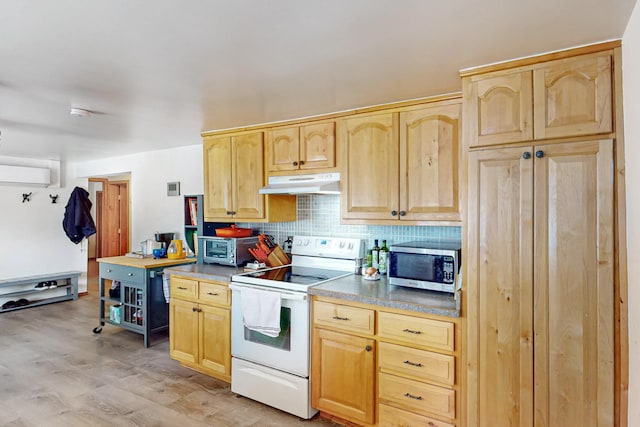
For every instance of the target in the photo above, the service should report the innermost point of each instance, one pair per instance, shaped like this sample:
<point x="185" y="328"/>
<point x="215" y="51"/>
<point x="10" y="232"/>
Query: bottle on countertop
<point x="384" y="258"/>
<point x="368" y="259"/>
<point x="375" y="255"/>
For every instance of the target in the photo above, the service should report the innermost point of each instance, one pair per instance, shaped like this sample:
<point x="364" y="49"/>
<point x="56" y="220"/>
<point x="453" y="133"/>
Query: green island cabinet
<point x="138" y="304"/>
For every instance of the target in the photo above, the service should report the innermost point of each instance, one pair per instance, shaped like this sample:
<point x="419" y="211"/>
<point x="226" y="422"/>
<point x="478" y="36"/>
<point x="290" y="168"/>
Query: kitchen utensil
<point x="233" y="231"/>
<point x="158" y="253"/>
<point x="175" y="250"/>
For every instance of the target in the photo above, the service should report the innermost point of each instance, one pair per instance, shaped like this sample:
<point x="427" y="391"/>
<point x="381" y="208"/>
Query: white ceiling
<point x="158" y="72"/>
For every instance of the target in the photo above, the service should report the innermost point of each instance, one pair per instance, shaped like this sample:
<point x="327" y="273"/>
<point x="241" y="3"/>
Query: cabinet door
<point x="499" y="108"/>
<point x="573" y="299"/>
<point x="247" y="176"/>
<point x="183" y="331"/>
<point x="283" y="149"/>
<point x="429" y="155"/>
<point x="573" y="97"/>
<point x="215" y="339"/>
<point x="217" y="179"/>
<point x="317" y="146"/>
<point x="343" y="375"/>
<point x="370" y="155"/>
<point x="499" y="289"/>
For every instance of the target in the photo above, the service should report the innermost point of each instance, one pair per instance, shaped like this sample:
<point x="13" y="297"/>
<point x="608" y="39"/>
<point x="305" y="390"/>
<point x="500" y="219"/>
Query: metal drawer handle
<point x="129" y="274"/>
<point x="108" y="270"/>
<point x="408" y="362"/>
<point x="340" y="318"/>
<point x="212" y="294"/>
<point x="411" y="396"/>
<point x="182" y="288"/>
<point x="411" y="332"/>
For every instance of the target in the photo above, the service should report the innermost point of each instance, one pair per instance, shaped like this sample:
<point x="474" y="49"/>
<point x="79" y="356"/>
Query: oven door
<point x="288" y="352"/>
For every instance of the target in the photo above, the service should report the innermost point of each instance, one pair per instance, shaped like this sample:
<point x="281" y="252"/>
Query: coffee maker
<point x="165" y="239"/>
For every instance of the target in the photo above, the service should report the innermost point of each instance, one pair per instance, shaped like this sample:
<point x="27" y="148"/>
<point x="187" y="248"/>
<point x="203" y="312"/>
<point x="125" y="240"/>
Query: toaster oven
<point x="232" y="251"/>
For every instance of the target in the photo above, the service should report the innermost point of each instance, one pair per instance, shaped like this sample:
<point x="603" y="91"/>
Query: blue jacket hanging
<point x="77" y="222"/>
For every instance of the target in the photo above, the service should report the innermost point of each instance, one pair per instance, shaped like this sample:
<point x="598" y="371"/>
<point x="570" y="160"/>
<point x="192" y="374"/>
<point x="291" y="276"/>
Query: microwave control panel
<point x="447" y="269"/>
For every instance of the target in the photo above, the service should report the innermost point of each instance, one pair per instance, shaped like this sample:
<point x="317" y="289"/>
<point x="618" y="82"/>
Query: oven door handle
<point x="283" y="295"/>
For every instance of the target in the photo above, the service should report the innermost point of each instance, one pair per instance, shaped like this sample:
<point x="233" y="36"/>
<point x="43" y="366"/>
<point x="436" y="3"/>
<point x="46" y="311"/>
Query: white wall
<point x="150" y="208"/>
<point x="33" y="240"/>
<point x="631" y="90"/>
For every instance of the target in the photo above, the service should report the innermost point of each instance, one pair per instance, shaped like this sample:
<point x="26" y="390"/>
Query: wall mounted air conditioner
<point x="25" y="176"/>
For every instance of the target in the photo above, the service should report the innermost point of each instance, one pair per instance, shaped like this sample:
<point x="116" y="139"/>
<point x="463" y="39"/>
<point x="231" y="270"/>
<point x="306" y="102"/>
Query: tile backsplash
<point x="319" y="215"/>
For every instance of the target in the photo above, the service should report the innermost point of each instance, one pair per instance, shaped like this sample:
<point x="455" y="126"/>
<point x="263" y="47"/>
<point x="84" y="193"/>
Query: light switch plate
<point x="173" y="188"/>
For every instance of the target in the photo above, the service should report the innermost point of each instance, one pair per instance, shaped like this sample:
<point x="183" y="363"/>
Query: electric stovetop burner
<point x="289" y="277"/>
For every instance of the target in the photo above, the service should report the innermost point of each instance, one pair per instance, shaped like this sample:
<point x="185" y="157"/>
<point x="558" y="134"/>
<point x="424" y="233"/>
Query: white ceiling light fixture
<point x="79" y="112"/>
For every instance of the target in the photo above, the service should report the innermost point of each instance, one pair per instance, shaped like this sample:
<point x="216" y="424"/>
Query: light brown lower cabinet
<point x="200" y="326"/>
<point x="540" y="338"/>
<point x="381" y="367"/>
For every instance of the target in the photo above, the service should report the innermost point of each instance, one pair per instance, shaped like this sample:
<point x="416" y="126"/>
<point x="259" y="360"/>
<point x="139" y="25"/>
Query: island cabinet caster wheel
<point x="97" y="329"/>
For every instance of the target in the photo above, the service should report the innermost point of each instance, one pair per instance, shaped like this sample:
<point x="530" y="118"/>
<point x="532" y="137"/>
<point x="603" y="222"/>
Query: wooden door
<point x="218" y="204"/>
<point x="247" y="176"/>
<point x="318" y="146"/>
<point x="573" y="299"/>
<point x="499" y="288"/>
<point x="343" y="373"/>
<point x="572" y="97"/>
<point x="215" y="339"/>
<point x="283" y="149"/>
<point x="183" y="331"/>
<point x="429" y="159"/>
<point x="370" y="154"/>
<point x="499" y="108"/>
<point x="114" y="222"/>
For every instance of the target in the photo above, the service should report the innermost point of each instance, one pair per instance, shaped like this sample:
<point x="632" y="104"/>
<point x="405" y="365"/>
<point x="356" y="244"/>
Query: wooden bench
<point x="25" y="292"/>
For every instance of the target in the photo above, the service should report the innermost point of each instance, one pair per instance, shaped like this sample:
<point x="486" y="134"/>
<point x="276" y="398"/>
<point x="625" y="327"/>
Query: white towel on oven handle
<point x="261" y="311"/>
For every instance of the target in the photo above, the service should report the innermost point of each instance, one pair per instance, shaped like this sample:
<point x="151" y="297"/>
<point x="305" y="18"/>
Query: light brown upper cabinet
<point x="304" y="149"/>
<point x="573" y="97"/>
<point x="233" y="175"/>
<point x="556" y="99"/>
<point x="502" y="106"/>
<point x="402" y="165"/>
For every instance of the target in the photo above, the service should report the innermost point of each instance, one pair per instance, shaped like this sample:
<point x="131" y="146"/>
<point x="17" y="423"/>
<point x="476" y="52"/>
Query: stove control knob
<point x="341" y="245"/>
<point x="350" y="245"/>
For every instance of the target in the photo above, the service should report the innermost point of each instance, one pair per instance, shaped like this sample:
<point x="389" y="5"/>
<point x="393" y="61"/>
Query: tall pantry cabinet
<point x="541" y="241"/>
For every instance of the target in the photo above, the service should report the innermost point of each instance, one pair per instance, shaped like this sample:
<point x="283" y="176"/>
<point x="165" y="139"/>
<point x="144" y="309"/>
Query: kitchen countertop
<point x="352" y="288"/>
<point x="221" y="273"/>
<point x="355" y="288"/>
<point x="144" y="262"/>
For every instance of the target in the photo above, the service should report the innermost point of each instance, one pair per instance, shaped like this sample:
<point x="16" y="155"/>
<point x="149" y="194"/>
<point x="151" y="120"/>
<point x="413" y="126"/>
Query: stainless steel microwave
<point x="232" y="251"/>
<point x="425" y="265"/>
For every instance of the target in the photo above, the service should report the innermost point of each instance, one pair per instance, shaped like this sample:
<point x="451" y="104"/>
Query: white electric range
<point x="276" y="370"/>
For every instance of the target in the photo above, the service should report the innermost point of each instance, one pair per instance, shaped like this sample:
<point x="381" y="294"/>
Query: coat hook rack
<point x="54" y="199"/>
<point x="26" y="197"/>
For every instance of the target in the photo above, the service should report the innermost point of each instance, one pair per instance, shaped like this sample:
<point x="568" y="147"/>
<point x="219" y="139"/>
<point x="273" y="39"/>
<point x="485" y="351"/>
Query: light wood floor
<point x="55" y="372"/>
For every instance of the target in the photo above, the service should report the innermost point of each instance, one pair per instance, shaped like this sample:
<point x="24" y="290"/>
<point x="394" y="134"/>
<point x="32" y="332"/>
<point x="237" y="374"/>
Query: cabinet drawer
<point x="388" y="416"/>
<point x="416" y="331"/>
<point x="213" y="293"/>
<point x="421" y="365"/>
<point x="416" y="396"/>
<point x="343" y="317"/>
<point x="122" y="273"/>
<point x="184" y="288"/>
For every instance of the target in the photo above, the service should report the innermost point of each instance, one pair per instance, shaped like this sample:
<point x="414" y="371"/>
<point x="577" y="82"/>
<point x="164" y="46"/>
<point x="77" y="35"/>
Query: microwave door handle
<point x="283" y="295"/>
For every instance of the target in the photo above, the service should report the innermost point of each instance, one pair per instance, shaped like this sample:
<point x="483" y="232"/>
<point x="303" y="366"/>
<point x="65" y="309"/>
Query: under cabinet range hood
<point x="321" y="183"/>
